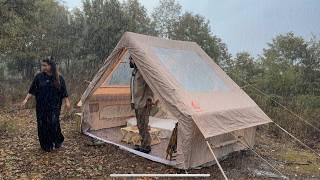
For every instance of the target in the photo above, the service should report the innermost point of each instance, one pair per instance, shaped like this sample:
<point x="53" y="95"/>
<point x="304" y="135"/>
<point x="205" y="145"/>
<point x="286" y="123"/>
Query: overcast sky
<point x="248" y="25"/>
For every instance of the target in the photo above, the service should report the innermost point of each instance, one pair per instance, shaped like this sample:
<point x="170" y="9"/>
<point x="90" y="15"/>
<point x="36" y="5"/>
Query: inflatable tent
<point x="192" y="90"/>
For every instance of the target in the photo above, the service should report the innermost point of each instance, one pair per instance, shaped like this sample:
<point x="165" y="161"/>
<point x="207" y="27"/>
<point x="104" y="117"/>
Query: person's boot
<point x="57" y="145"/>
<point x="137" y="148"/>
<point x="146" y="150"/>
<point x="47" y="149"/>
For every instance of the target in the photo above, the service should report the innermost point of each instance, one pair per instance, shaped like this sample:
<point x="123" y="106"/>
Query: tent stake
<point x="216" y="159"/>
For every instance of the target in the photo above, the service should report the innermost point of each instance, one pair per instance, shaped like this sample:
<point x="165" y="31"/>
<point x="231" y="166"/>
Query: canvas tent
<point x="192" y="90"/>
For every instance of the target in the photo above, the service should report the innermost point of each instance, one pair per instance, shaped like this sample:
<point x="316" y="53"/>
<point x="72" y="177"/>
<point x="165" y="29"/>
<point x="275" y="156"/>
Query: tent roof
<point x="190" y="84"/>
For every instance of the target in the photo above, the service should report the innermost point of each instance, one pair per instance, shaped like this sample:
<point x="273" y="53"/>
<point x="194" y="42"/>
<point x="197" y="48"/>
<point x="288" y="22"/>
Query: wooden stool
<point x="131" y="135"/>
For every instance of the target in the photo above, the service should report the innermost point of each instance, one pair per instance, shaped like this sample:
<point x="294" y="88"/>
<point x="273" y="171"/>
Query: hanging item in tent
<point x="172" y="146"/>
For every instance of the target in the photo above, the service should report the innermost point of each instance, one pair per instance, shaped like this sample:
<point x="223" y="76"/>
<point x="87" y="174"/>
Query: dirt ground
<point x="22" y="158"/>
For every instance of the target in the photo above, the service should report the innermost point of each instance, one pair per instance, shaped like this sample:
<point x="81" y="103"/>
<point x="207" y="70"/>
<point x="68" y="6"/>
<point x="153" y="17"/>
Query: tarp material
<point x="194" y="89"/>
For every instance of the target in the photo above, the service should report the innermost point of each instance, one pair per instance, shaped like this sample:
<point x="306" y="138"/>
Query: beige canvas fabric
<point x="201" y="96"/>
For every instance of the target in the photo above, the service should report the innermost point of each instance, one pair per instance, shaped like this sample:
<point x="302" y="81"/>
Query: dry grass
<point x="21" y="157"/>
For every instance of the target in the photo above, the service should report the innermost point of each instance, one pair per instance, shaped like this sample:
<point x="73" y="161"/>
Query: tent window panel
<point x="190" y="70"/>
<point x="122" y="74"/>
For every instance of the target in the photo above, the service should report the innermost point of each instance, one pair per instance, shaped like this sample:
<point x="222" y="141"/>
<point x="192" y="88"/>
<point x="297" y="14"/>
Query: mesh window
<point x="122" y="74"/>
<point x="190" y="70"/>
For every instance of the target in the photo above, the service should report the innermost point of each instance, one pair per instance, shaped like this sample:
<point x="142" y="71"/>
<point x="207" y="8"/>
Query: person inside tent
<point x="142" y="100"/>
<point x="49" y="89"/>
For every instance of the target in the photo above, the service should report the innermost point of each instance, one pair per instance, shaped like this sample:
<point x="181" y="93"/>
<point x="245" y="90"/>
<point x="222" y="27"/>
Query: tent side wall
<point x="222" y="145"/>
<point x="108" y="107"/>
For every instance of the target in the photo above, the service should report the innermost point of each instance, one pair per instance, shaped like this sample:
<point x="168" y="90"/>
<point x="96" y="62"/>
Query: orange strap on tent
<point x="215" y="158"/>
<point x="195" y="106"/>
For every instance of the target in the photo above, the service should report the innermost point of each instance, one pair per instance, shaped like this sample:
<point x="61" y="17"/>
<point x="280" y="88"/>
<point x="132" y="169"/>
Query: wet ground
<point x="80" y="158"/>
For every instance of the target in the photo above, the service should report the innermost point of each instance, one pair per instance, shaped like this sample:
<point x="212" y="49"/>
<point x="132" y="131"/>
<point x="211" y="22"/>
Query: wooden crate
<point x="131" y="135"/>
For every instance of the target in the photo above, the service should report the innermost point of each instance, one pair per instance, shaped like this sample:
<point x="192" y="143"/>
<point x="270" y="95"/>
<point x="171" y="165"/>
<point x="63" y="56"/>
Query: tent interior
<point x="110" y="110"/>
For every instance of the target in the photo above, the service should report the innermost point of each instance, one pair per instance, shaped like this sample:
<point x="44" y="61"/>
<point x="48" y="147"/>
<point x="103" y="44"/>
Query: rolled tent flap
<point x="222" y="122"/>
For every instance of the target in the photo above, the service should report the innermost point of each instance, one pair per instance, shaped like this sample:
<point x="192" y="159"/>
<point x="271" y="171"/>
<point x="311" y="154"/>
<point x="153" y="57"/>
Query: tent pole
<point x="224" y="175"/>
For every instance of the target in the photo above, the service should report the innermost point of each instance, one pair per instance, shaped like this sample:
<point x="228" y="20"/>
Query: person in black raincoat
<point x="49" y="89"/>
